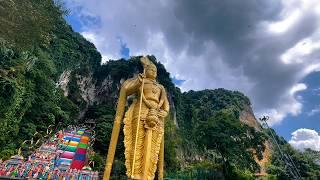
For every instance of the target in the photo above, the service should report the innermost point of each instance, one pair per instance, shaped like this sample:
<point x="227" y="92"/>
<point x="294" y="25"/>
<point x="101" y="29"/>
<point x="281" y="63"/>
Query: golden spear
<point x="138" y="124"/>
<point x="116" y="130"/>
<point x="115" y="134"/>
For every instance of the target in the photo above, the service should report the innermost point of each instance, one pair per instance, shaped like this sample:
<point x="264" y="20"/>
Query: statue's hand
<point x="152" y="119"/>
<point x="162" y="113"/>
<point x="141" y="76"/>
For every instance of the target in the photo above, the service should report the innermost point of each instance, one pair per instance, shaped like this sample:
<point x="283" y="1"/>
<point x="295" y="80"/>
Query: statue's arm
<point x="164" y="110"/>
<point x="128" y="88"/>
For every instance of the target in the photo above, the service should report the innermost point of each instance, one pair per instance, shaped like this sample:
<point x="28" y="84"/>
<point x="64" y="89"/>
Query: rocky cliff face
<point x="63" y="82"/>
<point x="247" y="116"/>
<point x="90" y="91"/>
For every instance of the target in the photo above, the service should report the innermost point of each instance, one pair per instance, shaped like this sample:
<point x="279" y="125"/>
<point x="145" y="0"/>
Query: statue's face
<point x="151" y="73"/>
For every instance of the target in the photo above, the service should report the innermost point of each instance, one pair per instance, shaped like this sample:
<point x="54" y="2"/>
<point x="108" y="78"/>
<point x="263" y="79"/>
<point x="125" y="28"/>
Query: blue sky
<point x="80" y="23"/>
<point x="270" y="52"/>
<point x="74" y="21"/>
<point x="309" y="119"/>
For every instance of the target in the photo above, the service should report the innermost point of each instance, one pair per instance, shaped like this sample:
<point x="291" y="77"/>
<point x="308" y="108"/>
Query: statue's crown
<point x="147" y="63"/>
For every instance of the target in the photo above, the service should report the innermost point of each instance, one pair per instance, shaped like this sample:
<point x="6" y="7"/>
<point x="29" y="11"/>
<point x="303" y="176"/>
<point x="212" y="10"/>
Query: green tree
<point x="29" y="23"/>
<point x="232" y="139"/>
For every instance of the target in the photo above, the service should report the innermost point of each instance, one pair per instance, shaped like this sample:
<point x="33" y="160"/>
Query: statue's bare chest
<point x="152" y="90"/>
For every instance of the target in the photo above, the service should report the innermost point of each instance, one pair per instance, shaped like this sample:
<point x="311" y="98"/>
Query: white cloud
<point x="302" y="49"/>
<point x="314" y="111"/>
<point x="312" y="67"/>
<point x="298" y="87"/>
<point x="286" y="23"/>
<point x="91" y="37"/>
<point x="291" y="105"/>
<point x="99" y="41"/>
<point x="305" y="138"/>
<point x="206" y="50"/>
<point x="291" y="13"/>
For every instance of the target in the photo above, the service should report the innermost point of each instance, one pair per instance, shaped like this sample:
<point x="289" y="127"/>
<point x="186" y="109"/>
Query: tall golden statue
<point x="143" y="125"/>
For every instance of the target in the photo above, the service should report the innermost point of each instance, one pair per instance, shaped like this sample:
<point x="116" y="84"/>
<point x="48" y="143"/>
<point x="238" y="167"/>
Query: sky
<point x="268" y="50"/>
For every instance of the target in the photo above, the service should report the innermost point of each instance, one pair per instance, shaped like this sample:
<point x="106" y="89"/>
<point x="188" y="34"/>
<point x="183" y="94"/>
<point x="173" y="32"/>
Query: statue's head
<point x="150" y="68"/>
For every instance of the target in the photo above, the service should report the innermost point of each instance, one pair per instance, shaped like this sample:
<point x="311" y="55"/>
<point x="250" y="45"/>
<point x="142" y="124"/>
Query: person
<point x="148" y="110"/>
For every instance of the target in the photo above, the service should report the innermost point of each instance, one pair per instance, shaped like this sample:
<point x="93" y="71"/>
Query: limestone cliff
<point x="247" y="116"/>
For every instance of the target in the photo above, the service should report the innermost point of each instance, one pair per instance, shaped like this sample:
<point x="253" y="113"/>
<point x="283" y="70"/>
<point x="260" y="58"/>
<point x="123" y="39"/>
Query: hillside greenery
<point x="306" y="162"/>
<point x="36" y="46"/>
<point x="203" y="134"/>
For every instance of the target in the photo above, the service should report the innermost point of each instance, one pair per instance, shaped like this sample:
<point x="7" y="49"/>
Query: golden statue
<point x="143" y="125"/>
